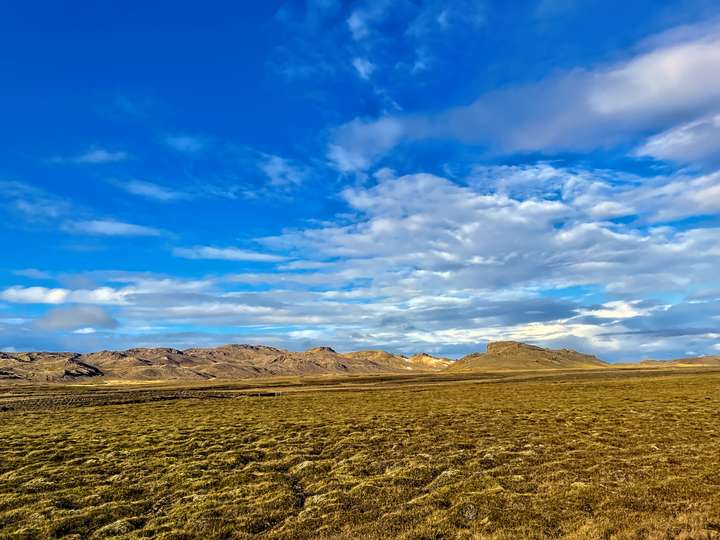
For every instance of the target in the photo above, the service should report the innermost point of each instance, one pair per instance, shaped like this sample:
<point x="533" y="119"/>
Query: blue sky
<point x="372" y="174"/>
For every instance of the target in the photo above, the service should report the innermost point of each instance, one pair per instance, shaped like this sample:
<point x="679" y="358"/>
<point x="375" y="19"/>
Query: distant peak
<point x="327" y="350"/>
<point x="425" y="355"/>
<point x="499" y="347"/>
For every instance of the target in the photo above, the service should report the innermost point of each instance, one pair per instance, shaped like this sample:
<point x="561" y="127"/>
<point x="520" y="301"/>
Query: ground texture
<point x="614" y="455"/>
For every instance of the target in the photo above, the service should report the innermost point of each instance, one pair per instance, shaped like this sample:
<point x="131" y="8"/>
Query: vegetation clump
<point x="586" y="455"/>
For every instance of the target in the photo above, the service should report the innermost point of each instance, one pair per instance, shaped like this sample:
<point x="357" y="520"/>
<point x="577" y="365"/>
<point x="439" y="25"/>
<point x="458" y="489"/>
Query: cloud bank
<point x="671" y="83"/>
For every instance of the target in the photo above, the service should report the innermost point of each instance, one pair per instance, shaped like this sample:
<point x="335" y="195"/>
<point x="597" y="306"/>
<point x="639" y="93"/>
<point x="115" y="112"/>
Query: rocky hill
<point x="512" y="355"/>
<point x="253" y="361"/>
<point x="227" y="362"/>
<point x="429" y="361"/>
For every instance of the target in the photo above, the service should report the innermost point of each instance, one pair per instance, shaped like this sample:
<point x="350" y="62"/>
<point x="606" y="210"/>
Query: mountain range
<point x="227" y="362"/>
<point x="259" y="361"/>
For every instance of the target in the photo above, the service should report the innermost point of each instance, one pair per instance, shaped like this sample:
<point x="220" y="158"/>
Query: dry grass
<point x="624" y="457"/>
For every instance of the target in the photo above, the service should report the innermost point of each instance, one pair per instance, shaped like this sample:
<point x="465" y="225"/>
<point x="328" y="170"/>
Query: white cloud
<point x="581" y="109"/>
<point x="150" y="190"/>
<point x="441" y="233"/>
<point x="186" y="143"/>
<point x="677" y="197"/>
<point x="358" y="144"/>
<point x="36" y="206"/>
<point x="358" y="24"/>
<point x="45" y="295"/>
<point x="134" y="287"/>
<point x="421" y="262"/>
<point x="30" y="202"/>
<point x="84" y="331"/>
<point x="673" y="79"/>
<point x="100" y="227"/>
<point x="428" y="256"/>
<point x="32" y="273"/>
<point x="619" y="309"/>
<point x="225" y="254"/>
<point x="95" y="156"/>
<point x="281" y="171"/>
<point x="364" y="67"/>
<point x="693" y="142"/>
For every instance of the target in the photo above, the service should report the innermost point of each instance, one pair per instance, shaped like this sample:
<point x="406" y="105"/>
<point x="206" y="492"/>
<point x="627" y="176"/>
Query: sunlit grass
<point x="577" y="458"/>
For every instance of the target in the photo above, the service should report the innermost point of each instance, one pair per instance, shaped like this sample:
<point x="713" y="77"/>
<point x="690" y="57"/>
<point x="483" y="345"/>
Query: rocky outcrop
<point x="321" y="350"/>
<point x="75" y="368"/>
<point x="429" y="361"/>
<point x="6" y="374"/>
<point x="513" y="355"/>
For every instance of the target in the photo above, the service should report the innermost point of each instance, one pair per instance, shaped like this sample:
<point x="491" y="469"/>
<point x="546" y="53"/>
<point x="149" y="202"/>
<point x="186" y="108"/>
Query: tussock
<point x="577" y="456"/>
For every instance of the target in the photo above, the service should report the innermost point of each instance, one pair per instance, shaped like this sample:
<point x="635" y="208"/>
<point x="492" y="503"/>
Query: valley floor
<point x="614" y="453"/>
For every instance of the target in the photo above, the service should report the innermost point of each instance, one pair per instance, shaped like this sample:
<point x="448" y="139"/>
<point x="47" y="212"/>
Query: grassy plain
<point x="626" y="454"/>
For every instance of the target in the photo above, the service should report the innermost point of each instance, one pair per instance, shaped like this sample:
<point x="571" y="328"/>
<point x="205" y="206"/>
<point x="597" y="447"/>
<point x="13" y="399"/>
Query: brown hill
<point x="34" y="366"/>
<point x="429" y="361"/>
<point x="695" y="361"/>
<point x="511" y="355"/>
<point x="227" y="362"/>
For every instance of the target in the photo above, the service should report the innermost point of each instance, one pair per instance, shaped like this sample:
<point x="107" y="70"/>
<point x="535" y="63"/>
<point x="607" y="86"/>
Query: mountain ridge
<point x="234" y="361"/>
<point x="245" y="361"/>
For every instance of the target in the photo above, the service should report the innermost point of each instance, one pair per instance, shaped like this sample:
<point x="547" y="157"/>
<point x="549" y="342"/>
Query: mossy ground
<point x="624" y="457"/>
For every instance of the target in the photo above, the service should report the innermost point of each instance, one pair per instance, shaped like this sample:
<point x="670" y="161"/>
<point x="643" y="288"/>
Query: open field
<point x="614" y="453"/>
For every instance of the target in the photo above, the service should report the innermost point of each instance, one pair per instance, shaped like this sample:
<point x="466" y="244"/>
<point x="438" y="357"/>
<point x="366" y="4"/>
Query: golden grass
<point x="624" y="457"/>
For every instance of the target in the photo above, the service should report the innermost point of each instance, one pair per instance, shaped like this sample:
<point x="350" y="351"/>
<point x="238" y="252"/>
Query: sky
<point x="405" y="175"/>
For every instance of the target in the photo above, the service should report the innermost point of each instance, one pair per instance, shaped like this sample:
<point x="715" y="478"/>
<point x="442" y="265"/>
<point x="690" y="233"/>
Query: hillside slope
<point x="429" y="361"/>
<point x="227" y="362"/>
<point x="511" y="355"/>
<point x="695" y="361"/>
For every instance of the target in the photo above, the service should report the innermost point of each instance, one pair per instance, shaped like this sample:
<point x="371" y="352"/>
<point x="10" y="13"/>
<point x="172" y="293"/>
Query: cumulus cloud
<point x="120" y="288"/>
<point x="419" y="262"/>
<point x="427" y="253"/>
<point x="46" y="295"/>
<point x="433" y="232"/>
<point x="78" y="318"/>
